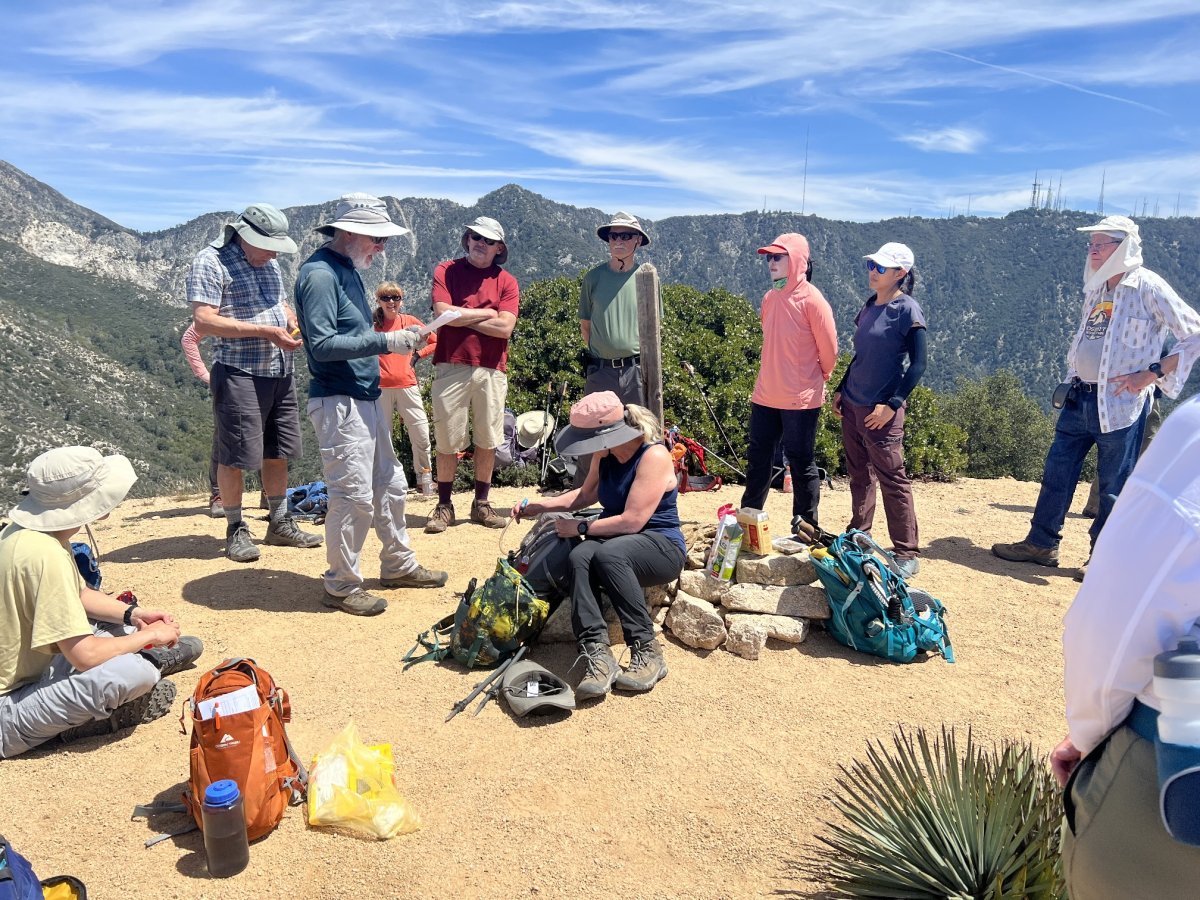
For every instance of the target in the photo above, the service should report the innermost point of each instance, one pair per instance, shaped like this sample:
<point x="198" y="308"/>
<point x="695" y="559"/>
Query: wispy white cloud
<point x="946" y="140"/>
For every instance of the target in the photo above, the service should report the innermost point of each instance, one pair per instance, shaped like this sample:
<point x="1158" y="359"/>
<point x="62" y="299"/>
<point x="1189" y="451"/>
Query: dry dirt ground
<point x="712" y="785"/>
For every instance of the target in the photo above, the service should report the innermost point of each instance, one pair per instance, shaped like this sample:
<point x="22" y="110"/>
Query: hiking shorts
<point x="458" y="390"/>
<point x="256" y="418"/>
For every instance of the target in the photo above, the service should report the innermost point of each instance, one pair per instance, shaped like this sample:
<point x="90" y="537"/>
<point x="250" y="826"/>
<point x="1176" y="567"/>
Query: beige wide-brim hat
<point x="489" y="228"/>
<point x="534" y="427"/>
<point x="70" y="487"/>
<point x="262" y="226"/>
<point x="361" y="214"/>
<point x="623" y="220"/>
<point x="1114" y="225"/>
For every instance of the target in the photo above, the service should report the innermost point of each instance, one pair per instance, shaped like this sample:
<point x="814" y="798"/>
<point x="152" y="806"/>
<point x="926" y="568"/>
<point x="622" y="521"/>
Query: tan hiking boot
<point x="420" y="577"/>
<point x="442" y="518"/>
<point x="357" y="603"/>
<point x="646" y="668"/>
<point x="601" y="670"/>
<point x="286" y="533"/>
<point x="482" y="512"/>
<point x="1023" y="551"/>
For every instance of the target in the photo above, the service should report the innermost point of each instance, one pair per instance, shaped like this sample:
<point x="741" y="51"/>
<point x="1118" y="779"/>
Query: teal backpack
<point x="871" y="607"/>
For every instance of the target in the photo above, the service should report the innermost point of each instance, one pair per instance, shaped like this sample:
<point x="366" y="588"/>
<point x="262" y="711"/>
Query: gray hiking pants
<point x="62" y="698"/>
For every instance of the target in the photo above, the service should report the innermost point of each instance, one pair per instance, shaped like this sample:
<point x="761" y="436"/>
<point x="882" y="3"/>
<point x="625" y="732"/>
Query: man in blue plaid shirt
<point x="236" y="291"/>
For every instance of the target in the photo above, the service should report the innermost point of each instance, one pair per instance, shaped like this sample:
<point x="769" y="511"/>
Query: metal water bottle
<point x="1177" y="686"/>
<point x="225" y="841"/>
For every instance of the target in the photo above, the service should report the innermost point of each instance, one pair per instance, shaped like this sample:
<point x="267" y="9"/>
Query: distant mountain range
<point x="91" y="311"/>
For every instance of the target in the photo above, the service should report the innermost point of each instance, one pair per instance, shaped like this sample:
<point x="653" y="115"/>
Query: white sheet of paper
<point x="448" y="316"/>
<point x="239" y="701"/>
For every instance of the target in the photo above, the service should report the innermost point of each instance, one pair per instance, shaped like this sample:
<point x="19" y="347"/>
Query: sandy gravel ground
<point x="712" y="785"/>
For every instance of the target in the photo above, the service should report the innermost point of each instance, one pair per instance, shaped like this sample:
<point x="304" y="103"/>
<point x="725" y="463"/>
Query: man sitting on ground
<point x="75" y="662"/>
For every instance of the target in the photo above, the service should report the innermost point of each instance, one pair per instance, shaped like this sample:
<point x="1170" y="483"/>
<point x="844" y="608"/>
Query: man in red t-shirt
<point x="469" y="365"/>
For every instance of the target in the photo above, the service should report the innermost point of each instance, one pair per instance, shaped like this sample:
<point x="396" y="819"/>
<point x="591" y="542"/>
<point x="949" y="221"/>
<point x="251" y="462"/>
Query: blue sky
<point x="152" y="113"/>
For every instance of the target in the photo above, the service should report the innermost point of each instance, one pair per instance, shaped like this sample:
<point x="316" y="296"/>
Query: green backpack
<point x="490" y="624"/>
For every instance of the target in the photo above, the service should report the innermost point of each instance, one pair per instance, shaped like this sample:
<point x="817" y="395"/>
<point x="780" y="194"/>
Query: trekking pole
<point x="548" y="446"/>
<point x="482" y="686"/>
<point x="494" y="689"/>
<point x="687" y="367"/>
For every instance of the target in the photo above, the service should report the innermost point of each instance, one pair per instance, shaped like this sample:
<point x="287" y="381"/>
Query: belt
<point x="1143" y="720"/>
<point x="1088" y="387"/>
<point x="617" y="363"/>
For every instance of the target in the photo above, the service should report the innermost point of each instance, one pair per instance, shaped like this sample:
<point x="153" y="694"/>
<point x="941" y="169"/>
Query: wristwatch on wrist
<point x="1156" y="368"/>
<point x="128" y="617"/>
<point x="583" y="526"/>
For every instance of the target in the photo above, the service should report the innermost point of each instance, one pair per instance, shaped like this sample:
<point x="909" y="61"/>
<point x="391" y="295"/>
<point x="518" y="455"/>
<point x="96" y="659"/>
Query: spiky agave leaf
<point x="924" y="821"/>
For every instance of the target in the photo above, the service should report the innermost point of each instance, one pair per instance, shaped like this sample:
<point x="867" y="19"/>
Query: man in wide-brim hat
<point x="1114" y="365"/>
<point x="236" y="291"/>
<point x="366" y="482"/>
<point x="75" y="662"/>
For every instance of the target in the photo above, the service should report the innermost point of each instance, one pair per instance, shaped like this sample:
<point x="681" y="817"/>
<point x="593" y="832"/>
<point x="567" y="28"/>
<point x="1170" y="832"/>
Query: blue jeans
<point x="1077" y="430"/>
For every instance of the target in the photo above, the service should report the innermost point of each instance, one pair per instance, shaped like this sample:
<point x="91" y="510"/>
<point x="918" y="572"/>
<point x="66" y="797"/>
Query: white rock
<point x="776" y="569"/>
<point x="782" y="628"/>
<point x="696" y="622"/>
<point x="659" y="595"/>
<point x="802" y="601"/>
<point x="702" y="585"/>
<point x="558" y="630"/>
<point x="747" y="637"/>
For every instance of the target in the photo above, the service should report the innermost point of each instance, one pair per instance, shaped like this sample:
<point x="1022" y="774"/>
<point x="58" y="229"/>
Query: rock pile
<point x="774" y="596"/>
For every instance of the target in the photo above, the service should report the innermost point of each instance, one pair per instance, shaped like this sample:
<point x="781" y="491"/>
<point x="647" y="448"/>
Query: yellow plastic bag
<point x="351" y="785"/>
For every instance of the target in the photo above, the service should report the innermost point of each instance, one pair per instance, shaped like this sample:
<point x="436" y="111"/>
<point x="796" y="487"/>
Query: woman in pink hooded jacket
<point x="798" y="356"/>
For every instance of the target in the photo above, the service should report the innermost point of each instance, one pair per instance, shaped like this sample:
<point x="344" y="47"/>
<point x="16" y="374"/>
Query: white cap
<point x="893" y="256"/>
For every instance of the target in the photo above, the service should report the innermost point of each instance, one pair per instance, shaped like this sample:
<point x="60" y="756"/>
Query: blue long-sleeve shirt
<point x="342" y="345"/>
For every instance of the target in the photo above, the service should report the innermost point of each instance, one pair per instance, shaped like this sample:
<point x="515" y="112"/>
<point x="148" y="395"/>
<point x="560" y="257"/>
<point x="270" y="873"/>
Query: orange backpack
<point x="250" y="746"/>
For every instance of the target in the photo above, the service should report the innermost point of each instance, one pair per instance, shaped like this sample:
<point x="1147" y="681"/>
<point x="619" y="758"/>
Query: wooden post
<point x="650" y="336"/>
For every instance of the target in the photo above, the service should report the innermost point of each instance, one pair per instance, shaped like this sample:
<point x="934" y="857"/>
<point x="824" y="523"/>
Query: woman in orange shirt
<point x="401" y="392"/>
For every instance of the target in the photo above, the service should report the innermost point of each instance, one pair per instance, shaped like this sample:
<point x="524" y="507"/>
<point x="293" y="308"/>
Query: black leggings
<point x="620" y="566"/>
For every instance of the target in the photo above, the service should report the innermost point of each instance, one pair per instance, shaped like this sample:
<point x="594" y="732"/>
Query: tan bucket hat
<point x="361" y="214"/>
<point x="623" y="220"/>
<point x="489" y="228"/>
<point x="71" y="486"/>
<point x="534" y="427"/>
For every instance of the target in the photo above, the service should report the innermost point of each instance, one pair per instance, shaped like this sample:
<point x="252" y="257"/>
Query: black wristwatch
<point x="1156" y="368"/>
<point x="128" y="617"/>
<point x="583" y="526"/>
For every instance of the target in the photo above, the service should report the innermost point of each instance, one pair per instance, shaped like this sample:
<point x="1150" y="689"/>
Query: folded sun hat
<point x="597" y="423"/>
<point x="490" y="229"/>
<point x="261" y="225"/>
<point x="623" y="220"/>
<point x="70" y="487"/>
<point x="529" y="687"/>
<point x="893" y="256"/>
<point x="361" y="214"/>
<point x="534" y="427"/>
<point x="1117" y="226"/>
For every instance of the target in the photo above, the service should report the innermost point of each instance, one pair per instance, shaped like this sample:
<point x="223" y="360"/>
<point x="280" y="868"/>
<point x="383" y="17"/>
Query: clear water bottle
<point x="1177" y="686"/>
<point x="225" y="840"/>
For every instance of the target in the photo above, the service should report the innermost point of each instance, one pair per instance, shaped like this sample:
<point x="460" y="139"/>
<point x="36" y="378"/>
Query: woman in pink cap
<point x="798" y="355"/>
<point x="636" y="541"/>
<point x="889" y="360"/>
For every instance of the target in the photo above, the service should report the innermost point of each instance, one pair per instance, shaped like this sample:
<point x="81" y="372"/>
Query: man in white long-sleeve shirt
<point x="1114" y="363"/>
<point x="1141" y="595"/>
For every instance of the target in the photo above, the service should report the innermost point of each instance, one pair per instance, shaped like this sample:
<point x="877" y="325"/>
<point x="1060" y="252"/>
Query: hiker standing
<point x="636" y="542"/>
<point x="608" y="318"/>
<point x="1114" y="366"/>
<point x="889" y="331"/>
<point x="364" y="479"/>
<point x="798" y="355"/>
<point x="1138" y="600"/>
<point x="470" y="383"/>
<point x="236" y="292"/>
<point x="75" y="662"/>
<point x="398" y="381"/>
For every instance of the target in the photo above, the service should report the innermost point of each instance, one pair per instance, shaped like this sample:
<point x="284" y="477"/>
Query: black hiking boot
<point x="646" y="668"/>
<point x="600" y="672"/>
<point x="153" y="704"/>
<point x="171" y="660"/>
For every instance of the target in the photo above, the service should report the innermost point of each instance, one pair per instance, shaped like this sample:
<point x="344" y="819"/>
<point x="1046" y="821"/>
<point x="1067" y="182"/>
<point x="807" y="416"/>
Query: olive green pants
<point x="1114" y="842"/>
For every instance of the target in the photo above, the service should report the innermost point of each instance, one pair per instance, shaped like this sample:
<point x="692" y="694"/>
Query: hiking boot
<point x="646" y="668"/>
<point x="908" y="567"/>
<point x="442" y="518"/>
<point x="154" y="704"/>
<point x="482" y="512"/>
<point x="1023" y="551"/>
<point x="358" y="603"/>
<point x="285" y="533"/>
<point x="170" y="660"/>
<point x="420" y="577"/>
<point x="238" y="545"/>
<point x="215" y="509"/>
<point x="600" y="673"/>
<point x="1090" y="512"/>
<point x="1079" y="576"/>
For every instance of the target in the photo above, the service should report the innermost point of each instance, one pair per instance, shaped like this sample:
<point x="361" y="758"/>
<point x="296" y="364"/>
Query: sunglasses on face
<point x="379" y="241"/>
<point x="1096" y="245"/>
<point x="777" y="257"/>
<point x="873" y="266"/>
<point x="391" y="298"/>
<point x="478" y="237"/>
<point x="622" y="236"/>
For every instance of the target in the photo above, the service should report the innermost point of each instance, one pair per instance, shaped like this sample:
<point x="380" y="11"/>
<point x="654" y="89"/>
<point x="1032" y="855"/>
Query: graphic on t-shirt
<point x="1097" y="320"/>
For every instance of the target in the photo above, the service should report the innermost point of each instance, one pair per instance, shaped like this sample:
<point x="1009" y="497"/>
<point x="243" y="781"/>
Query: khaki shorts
<point x="459" y="389"/>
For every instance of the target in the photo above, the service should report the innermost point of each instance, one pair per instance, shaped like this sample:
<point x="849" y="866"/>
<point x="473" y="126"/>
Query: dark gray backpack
<point x="544" y="557"/>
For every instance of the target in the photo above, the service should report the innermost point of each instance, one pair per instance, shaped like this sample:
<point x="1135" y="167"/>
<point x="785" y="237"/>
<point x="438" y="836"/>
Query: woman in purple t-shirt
<point x="870" y="400"/>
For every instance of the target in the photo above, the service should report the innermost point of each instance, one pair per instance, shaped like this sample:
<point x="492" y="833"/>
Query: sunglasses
<point x="478" y="237"/>
<point x="777" y="257"/>
<point x="391" y="298"/>
<point x="1096" y="245"/>
<point x="873" y="266"/>
<point x="622" y="236"/>
<point x="379" y="241"/>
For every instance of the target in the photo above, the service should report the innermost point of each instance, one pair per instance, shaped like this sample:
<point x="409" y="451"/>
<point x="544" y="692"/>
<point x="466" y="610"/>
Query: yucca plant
<point x="924" y="821"/>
